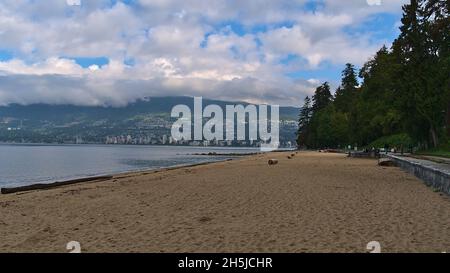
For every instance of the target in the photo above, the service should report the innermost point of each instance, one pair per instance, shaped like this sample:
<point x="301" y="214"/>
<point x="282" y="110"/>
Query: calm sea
<point x="29" y="164"/>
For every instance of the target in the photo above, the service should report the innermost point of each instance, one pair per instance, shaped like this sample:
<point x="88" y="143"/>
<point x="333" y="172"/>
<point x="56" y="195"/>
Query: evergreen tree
<point x="321" y="100"/>
<point x="322" y="97"/>
<point x="303" y="123"/>
<point x="404" y="90"/>
<point x="377" y="114"/>
<point x="423" y="87"/>
<point x="437" y="25"/>
<point x="346" y="94"/>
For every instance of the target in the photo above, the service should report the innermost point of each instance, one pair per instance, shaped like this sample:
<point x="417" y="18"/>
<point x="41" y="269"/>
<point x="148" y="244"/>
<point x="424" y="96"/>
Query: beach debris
<point x="289" y="157"/>
<point x="224" y="154"/>
<point x="386" y="162"/>
<point x="205" y="219"/>
<point x="331" y="151"/>
<point x="273" y="161"/>
<point x="55" y="184"/>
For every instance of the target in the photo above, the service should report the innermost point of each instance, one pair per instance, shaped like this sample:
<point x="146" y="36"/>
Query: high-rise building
<point x="78" y="140"/>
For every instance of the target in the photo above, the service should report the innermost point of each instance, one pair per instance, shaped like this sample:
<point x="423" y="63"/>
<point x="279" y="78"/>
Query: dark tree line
<point x="405" y="90"/>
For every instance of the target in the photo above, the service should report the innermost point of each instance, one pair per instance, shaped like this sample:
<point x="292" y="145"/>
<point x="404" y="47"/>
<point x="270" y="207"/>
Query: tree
<point x="437" y="25"/>
<point x="340" y="128"/>
<point x="448" y="120"/>
<point x="322" y="97"/>
<point x="304" y="122"/>
<point x="424" y="60"/>
<point x="317" y="136"/>
<point x="376" y="106"/>
<point x="323" y="128"/>
<point x="346" y="94"/>
<point x="404" y="91"/>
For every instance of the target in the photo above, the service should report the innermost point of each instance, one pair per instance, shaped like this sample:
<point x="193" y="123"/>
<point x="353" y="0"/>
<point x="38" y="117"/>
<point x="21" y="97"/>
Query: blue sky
<point x="5" y="55"/>
<point x="119" y="51"/>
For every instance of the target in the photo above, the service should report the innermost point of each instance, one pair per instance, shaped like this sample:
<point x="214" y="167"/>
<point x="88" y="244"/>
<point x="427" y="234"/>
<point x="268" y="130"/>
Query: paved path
<point x="437" y="159"/>
<point x="442" y="167"/>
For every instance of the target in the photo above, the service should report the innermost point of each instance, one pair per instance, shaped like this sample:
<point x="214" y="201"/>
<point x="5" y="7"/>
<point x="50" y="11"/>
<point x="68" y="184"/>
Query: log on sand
<point x="273" y="161"/>
<point x="55" y="184"/>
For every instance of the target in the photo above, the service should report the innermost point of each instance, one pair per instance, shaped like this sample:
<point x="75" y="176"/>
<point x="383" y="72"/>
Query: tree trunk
<point x="434" y="137"/>
<point x="448" y="119"/>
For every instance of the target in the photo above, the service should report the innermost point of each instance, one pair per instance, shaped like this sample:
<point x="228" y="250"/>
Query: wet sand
<point x="312" y="203"/>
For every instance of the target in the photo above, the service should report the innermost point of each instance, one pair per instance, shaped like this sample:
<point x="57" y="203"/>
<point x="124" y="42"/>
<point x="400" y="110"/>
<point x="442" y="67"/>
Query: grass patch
<point x="439" y="153"/>
<point x="442" y="151"/>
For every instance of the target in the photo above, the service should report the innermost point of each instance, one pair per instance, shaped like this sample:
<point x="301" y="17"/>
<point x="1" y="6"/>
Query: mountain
<point x="93" y="124"/>
<point x="162" y="105"/>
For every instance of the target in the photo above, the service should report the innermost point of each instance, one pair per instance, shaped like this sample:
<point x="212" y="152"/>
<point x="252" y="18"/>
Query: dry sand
<point x="311" y="203"/>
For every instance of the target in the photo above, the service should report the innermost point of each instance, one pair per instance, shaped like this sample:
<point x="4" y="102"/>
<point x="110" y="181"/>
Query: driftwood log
<point x="273" y="161"/>
<point x="55" y="184"/>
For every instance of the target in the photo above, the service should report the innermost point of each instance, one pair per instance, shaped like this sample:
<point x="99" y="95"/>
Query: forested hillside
<point x="404" y="95"/>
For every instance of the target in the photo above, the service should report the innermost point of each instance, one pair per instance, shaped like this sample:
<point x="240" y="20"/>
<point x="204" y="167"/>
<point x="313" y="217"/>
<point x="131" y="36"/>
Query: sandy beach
<point x="312" y="203"/>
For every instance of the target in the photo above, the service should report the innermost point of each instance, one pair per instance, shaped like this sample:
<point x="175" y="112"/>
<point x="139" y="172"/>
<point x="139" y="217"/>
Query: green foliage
<point x="405" y="93"/>
<point x="322" y="97"/>
<point x="443" y="150"/>
<point x="345" y="96"/>
<point x="303" y="123"/>
<point x="327" y="128"/>
<point x="423" y="55"/>
<point x="437" y="152"/>
<point x="398" y="141"/>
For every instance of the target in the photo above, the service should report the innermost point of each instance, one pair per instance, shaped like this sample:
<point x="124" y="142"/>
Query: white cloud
<point x="94" y="67"/>
<point x="73" y="2"/>
<point x="177" y="48"/>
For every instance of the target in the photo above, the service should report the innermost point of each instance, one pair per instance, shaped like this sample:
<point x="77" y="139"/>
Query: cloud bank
<point x="259" y="51"/>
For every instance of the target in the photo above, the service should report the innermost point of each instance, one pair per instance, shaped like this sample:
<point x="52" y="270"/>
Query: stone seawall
<point x="433" y="174"/>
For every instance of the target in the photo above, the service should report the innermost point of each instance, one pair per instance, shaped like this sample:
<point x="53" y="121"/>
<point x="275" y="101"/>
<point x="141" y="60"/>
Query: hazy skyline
<point x="101" y="52"/>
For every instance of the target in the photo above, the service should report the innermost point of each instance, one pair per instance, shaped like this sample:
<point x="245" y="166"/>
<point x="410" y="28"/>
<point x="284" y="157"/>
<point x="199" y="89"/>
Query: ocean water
<point x="29" y="164"/>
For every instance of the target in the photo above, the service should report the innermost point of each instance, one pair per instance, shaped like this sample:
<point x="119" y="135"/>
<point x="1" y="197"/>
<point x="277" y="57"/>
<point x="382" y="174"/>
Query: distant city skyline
<point x="144" y="123"/>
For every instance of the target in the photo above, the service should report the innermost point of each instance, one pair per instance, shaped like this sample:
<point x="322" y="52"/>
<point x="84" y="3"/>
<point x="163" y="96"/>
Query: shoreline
<point x="311" y="203"/>
<point x="102" y="177"/>
<point x="136" y="145"/>
<point x="22" y="166"/>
